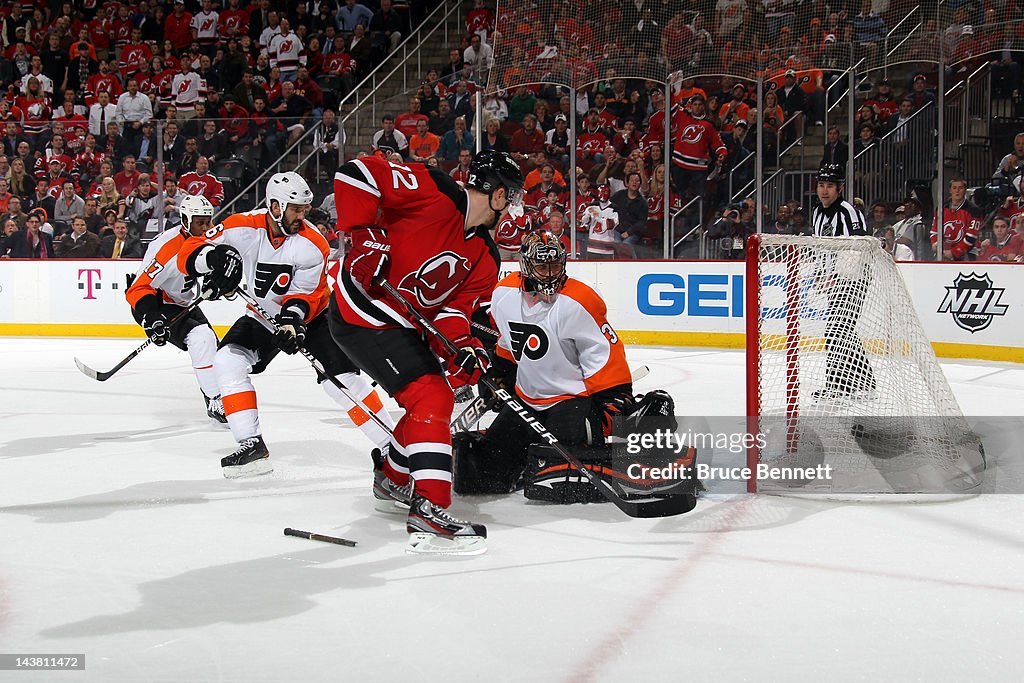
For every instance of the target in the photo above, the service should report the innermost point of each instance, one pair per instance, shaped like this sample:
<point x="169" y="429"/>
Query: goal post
<point x="841" y="374"/>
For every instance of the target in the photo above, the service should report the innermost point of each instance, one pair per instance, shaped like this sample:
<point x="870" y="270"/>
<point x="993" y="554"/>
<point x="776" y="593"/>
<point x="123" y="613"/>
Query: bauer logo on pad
<point x="973" y="302"/>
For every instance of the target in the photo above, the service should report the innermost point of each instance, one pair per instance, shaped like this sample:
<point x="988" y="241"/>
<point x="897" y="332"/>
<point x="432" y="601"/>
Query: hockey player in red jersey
<point x="560" y="355"/>
<point x="160" y="291"/>
<point x="284" y="259"/>
<point x="429" y="237"/>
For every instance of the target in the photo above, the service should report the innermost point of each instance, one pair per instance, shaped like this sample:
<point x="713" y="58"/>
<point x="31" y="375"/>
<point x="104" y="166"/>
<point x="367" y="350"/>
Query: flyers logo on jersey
<point x="272" y="277"/>
<point x="436" y="279"/>
<point x="527" y="340"/>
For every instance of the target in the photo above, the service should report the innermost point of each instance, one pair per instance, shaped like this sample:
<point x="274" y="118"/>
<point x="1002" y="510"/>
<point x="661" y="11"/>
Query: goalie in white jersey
<point x="284" y="259"/>
<point x="567" y="364"/>
<point x="160" y="292"/>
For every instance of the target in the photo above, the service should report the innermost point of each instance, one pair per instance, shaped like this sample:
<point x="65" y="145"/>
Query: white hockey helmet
<point x="193" y="205"/>
<point x="288" y="188"/>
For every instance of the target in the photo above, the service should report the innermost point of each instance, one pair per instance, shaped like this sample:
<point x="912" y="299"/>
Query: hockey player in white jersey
<point x="284" y="260"/>
<point x="567" y="364"/>
<point x="160" y="292"/>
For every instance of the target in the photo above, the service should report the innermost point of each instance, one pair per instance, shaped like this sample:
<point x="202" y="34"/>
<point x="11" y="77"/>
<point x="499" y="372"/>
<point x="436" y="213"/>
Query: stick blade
<point x="87" y="371"/>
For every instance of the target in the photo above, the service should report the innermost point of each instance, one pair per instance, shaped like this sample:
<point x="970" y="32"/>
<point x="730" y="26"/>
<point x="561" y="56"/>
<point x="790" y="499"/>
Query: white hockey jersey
<point x="287" y="52"/>
<point x="277" y="270"/>
<point x="600" y="221"/>
<point x="205" y="25"/>
<point x="159" y="275"/>
<point x="563" y="348"/>
<point x="187" y="89"/>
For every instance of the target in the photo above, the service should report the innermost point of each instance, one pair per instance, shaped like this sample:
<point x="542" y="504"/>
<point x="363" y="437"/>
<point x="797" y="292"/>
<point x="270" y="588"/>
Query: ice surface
<point x="120" y="539"/>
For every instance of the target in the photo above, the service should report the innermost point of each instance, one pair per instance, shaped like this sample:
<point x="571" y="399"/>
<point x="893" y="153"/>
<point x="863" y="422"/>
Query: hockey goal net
<point x="840" y="374"/>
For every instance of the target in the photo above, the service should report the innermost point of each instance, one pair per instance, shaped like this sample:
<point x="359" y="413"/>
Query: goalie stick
<point x="317" y="365"/>
<point x="101" y="376"/>
<point x="653" y="507"/>
<point x="467" y="419"/>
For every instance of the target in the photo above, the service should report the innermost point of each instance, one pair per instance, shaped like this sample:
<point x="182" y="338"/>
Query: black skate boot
<point x="215" y="409"/>
<point x="432" y="530"/>
<point x="250" y="459"/>
<point x="388" y="496"/>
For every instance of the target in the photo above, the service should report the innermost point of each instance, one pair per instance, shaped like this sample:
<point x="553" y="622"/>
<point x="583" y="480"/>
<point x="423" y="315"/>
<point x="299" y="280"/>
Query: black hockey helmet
<point x="831" y="173"/>
<point x="491" y="169"/>
<point x="539" y="251"/>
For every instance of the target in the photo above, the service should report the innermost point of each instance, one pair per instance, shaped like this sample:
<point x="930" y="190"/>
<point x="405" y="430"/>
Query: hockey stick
<point x="317" y="365"/>
<point x="100" y="376"/>
<point x="319" y="537"/>
<point x="654" y="507"/>
<point x="472" y="414"/>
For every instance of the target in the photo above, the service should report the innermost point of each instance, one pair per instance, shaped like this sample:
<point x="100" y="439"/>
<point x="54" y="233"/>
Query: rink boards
<point x="969" y="310"/>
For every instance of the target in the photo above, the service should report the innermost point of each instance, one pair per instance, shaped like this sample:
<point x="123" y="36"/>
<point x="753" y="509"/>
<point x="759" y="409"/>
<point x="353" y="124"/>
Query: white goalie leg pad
<point x="231" y="367"/>
<point x="432" y="544"/>
<point x="201" y="343"/>
<point x="359" y="387"/>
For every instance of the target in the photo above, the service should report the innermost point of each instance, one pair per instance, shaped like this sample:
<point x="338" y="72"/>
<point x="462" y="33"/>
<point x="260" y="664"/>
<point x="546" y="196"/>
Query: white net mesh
<point x="845" y="375"/>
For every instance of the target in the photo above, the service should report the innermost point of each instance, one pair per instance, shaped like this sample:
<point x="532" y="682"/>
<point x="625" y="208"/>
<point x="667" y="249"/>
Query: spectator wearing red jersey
<point x="694" y="143"/>
<point x="104" y="81"/>
<point x="607" y="118"/>
<point x="593" y="138"/>
<point x="128" y="178"/>
<point x="201" y="181"/>
<point x="884" y="101"/>
<point x="35" y="106"/>
<point x="461" y="172"/>
<point x="480" y="21"/>
<point x="406" y="121"/>
<point x="526" y="141"/>
<point x="134" y="54"/>
<point x="1004" y="246"/>
<point x="509" y="232"/>
<point x="961" y="223"/>
<point x="178" y="26"/>
<point x="233" y="21"/>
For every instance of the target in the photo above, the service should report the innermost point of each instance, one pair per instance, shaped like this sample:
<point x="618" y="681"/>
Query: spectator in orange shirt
<point x="734" y="110"/>
<point x="423" y="144"/>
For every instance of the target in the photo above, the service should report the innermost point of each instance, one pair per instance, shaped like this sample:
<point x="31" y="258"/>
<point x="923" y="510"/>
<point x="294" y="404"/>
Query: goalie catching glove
<point x="290" y="335"/>
<point x="368" y="257"/>
<point x="154" y="324"/>
<point x="224" y="271"/>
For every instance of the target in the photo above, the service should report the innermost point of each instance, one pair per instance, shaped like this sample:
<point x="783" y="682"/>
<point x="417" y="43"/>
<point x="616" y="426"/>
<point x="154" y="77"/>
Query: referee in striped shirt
<point x="847" y="369"/>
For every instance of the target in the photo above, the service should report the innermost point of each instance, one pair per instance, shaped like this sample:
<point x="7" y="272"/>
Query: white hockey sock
<point x="358" y="386"/>
<point x="201" y="343"/>
<point x="239" y="395"/>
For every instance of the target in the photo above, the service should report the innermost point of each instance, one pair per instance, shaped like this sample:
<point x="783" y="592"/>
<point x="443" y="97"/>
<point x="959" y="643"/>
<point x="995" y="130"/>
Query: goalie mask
<point x="542" y="259"/>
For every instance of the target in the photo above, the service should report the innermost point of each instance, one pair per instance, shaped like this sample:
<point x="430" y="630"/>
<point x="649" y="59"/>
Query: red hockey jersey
<point x="694" y="141"/>
<point x="445" y="267"/>
<point x="960" y="227"/>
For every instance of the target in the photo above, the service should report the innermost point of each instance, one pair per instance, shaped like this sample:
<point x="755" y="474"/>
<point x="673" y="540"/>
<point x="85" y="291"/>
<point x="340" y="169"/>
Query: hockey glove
<point x="471" y="361"/>
<point x="368" y="257"/>
<point x="154" y="324"/>
<point x="291" y="328"/>
<point x="225" y="274"/>
<point x="614" y="402"/>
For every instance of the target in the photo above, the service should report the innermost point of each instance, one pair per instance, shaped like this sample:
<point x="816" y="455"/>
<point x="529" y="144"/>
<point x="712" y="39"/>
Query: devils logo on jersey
<point x="436" y="279"/>
<point x="527" y="340"/>
<point x="692" y="133"/>
<point x="272" y="277"/>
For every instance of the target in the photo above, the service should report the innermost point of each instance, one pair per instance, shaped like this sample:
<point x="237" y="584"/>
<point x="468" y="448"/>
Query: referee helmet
<point x="831" y="173"/>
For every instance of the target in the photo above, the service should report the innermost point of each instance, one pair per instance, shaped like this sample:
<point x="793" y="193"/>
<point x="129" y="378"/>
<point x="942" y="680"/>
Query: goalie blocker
<point x="501" y="461"/>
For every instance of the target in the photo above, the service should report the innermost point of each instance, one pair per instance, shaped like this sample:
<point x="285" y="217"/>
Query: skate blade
<point x="251" y="469"/>
<point x="390" y="507"/>
<point x="432" y="544"/>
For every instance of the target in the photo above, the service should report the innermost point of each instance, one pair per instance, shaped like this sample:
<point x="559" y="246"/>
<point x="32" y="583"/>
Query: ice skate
<point x="433" y="531"/>
<point x="215" y="409"/>
<point x="388" y="496"/>
<point x="250" y="459"/>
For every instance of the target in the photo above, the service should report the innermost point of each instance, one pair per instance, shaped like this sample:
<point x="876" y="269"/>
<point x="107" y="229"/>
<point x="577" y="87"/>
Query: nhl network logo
<point x="973" y="301"/>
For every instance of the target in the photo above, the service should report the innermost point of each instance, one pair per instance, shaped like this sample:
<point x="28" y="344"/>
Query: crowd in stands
<point x="232" y="83"/>
<point x="799" y="49"/>
<point x="110" y="111"/>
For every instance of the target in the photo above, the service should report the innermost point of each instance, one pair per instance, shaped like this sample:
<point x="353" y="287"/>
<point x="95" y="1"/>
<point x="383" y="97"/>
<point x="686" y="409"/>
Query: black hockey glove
<point x="503" y="373"/>
<point x="613" y="402"/>
<point x="466" y="366"/>
<point x="154" y="324"/>
<point x="225" y="272"/>
<point x="291" y="328"/>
